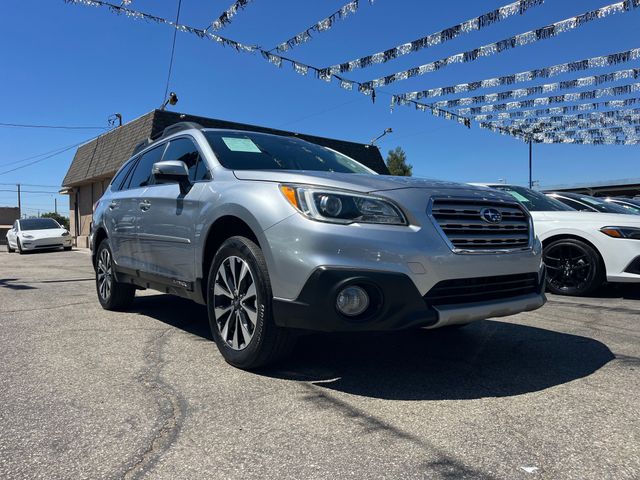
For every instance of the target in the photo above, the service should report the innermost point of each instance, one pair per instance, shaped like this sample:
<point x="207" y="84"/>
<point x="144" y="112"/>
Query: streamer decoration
<point x="546" y="72"/>
<point x="538" y="102"/>
<point x="633" y="73"/>
<point x="527" y="38"/>
<point x="120" y="10"/>
<point x="321" y="26"/>
<point x="532" y="119"/>
<point x="478" y="23"/>
<point x="228" y="14"/>
<point x="557" y="111"/>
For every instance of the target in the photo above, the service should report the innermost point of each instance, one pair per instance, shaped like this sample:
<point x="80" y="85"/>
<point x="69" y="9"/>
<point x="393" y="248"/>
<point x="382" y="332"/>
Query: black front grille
<point x="462" y="223"/>
<point x="471" y="290"/>
<point x="634" y="266"/>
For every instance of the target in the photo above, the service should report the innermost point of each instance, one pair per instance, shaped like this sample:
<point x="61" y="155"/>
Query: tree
<point x="397" y="163"/>
<point x="62" y="220"/>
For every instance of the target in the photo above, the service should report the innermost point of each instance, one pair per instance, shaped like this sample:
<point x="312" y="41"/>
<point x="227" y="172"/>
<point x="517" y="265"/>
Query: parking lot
<point x="86" y="393"/>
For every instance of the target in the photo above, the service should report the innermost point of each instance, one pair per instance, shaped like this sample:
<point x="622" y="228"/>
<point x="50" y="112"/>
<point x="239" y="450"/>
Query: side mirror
<point x="172" y="171"/>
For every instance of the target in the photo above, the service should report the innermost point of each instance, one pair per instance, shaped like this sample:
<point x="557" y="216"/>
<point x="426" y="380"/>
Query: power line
<point x="173" y="49"/>
<point x="31" y="185"/>
<point x="39" y="155"/>
<point x="45" y="156"/>
<point x="60" y="127"/>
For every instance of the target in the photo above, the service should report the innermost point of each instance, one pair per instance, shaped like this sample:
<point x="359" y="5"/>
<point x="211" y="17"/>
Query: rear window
<point x="142" y="175"/>
<point x="38" y="224"/>
<point x="259" y="151"/>
<point x="116" y="183"/>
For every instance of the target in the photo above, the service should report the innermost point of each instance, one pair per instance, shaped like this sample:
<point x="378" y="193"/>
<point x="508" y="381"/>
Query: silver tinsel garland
<point x="321" y="26"/>
<point x="228" y="14"/>
<point x="584" y="139"/>
<point x="569" y="97"/>
<point x="547" y="72"/>
<point x="527" y="38"/>
<point x="558" y="111"/>
<point x="428" y="41"/>
<point x="633" y="73"/>
<point x="120" y="10"/>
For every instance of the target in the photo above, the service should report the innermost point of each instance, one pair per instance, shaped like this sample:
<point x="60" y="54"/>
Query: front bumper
<point x="45" y="243"/>
<point x="396" y="303"/>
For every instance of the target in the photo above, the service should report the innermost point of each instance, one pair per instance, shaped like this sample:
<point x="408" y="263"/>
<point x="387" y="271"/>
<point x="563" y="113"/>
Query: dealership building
<point x="96" y="162"/>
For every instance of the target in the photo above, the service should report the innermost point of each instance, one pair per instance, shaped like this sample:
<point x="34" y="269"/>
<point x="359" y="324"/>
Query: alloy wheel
<point x="235" y="302"/>
<point x="105" y="274"/>
<point x="568" y="266"/>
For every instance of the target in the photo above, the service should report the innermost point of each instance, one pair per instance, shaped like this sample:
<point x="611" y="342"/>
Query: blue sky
<point x="75" y="65"/>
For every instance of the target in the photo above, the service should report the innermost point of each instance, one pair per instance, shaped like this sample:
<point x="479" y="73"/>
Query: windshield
<point x="600" y="205"/>
<point x="38" y="224"/>
<point x="532" y="200"/>
<point x="630" y="206"/>
<point x="258" y="151"/>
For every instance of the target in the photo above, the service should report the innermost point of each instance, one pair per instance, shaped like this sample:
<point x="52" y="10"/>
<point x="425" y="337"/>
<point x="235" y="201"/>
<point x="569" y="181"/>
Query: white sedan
<point x="581" y="249"/>
<point x="37" y="234"/>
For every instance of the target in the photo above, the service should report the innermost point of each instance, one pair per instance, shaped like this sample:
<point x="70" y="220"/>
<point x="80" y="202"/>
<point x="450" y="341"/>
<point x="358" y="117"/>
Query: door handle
<point x="113" y="205"/>
<point x="145" y="205"/>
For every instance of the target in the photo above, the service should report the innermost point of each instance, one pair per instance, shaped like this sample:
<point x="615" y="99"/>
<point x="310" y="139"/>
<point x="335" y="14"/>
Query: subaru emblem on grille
<point x="491" y="215"/>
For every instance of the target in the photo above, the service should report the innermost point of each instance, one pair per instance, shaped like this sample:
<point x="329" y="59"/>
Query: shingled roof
<point x="102" y="157"/>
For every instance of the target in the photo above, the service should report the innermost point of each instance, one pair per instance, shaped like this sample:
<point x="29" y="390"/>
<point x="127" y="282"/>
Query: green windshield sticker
<point x="518" y="197"/>
<point x="241" y="145"/>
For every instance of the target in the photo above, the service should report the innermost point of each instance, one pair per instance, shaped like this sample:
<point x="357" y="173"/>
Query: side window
<point x="141" y="176"/>
<point x="116" y="183"/>
<point x="578" y="206"/>
<point x="185" y="150"/>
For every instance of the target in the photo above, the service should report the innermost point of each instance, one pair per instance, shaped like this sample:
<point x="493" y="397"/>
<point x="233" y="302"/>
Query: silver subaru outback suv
<point x="276" y="235"/>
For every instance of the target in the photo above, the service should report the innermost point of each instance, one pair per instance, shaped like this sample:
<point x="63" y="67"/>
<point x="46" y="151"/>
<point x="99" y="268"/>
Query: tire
<point x="240" y="313"/>
<point x="9" y="249"/>
<point x="574" y="267"/>
<point x="67" y="249"/>
<point x="19" y="246"/>
<point x="112" y="295"/>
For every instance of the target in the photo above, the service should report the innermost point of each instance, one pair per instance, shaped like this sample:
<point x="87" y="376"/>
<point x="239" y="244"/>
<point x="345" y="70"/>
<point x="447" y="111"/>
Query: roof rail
<point x="178" y="127"/>
<point x="171" y="129"/>
<point x="141" y="146"/>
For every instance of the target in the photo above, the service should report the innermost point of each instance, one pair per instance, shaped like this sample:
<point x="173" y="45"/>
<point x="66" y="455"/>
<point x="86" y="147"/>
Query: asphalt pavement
<point x="86" y="393"/>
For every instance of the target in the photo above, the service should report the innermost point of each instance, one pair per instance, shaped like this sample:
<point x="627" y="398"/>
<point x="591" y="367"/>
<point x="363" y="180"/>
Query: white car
<point x="581" y="249"/>
<point x="37" y="234"/>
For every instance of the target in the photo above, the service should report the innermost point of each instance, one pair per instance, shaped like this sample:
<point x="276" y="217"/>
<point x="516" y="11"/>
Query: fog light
<point x="352" y="301"/>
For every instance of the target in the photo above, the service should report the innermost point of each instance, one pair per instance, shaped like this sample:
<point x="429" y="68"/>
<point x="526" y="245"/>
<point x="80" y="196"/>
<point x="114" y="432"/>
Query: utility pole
<point x="530" y="162"/>
<point x="55" y="204"/>
<point x="19" y="202"/>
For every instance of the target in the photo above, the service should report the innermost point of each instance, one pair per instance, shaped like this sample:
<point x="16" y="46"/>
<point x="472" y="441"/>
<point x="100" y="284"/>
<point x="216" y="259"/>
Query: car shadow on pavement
<point x="175" y="311"/>
<point x="628" y="291"/>
<point x="485" y="359"/>
<point x="12" y="283"/>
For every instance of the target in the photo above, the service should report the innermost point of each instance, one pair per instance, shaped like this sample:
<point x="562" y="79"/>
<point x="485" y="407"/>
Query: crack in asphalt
<point x="172" y="410"/>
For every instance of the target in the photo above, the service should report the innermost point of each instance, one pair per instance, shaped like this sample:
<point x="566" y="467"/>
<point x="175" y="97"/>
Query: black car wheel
<point x="239" y="305"/>
<point x="113" y="295"/>
<point x="19" y="246"/>
<point x="9" y="249"/>
<point x="573" y="267"/>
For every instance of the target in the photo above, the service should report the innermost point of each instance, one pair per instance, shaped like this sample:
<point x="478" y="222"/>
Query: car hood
<point x="347" y="181"/>
<point x="605" y="219"/>
<point x="45" y="233"/>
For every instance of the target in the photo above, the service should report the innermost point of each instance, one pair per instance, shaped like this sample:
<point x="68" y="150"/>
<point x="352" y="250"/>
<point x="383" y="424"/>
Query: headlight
<point x="340" y="207"/>
<point x="65" y="233"/>
<point x="26" y="235"/>
<point x="622" y="232"/>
